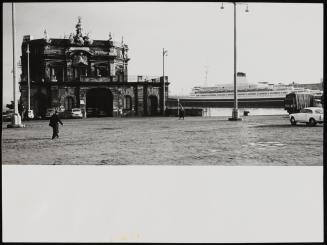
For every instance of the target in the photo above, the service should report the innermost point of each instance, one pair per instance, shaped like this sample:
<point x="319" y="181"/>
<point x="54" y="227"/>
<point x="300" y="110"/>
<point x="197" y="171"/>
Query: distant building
<point x="77" y="71"/>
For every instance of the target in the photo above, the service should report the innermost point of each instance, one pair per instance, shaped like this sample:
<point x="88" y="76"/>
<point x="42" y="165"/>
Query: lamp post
<point x="28" y="79"/>
<point x="30" y="113"/>
<point x="123" y="57"/>
<point x="16" y="121"/>
<point x="164" y="53"/>
<point x="235" y="116"/>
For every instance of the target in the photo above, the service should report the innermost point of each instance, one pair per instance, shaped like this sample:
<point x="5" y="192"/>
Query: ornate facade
<point x="78" y="72"/>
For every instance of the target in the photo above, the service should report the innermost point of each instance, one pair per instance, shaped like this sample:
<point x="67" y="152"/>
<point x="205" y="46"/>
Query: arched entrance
<point x="152" y="105"/>
<point x="99" y="102"/>
<point x="39" y="104"/>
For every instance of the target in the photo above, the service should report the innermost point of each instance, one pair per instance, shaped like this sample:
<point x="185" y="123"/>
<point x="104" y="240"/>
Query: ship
<point x="250" y="95"/>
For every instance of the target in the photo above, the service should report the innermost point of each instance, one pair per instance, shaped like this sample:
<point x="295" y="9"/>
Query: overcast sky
<point x="277" y="42"/>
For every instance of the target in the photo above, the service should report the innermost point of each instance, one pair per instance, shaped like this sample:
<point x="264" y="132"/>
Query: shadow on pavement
<point x="25" y="139"/>
<point x="108" y="128"/>
<point x="283" y="126"/>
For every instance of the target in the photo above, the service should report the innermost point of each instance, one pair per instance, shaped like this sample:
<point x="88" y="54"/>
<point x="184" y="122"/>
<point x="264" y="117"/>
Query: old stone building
<point x="78" y="72"/>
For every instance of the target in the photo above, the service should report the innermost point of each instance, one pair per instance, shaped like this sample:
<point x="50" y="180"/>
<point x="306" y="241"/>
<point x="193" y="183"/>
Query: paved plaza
<point x="257" y="140"/>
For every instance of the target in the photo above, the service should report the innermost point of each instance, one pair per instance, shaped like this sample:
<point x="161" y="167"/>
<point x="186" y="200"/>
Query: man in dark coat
<point x="54" y="123"/>
<point x="181" y="112"/>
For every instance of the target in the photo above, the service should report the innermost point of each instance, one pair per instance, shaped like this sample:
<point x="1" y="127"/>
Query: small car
<point x="50" y="112"/>
<point x="309" y="115"/>
<point x="6" y="116"/>
<point x="74" y="113"/>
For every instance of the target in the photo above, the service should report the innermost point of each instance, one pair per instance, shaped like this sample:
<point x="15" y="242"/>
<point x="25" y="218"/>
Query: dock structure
<point x="197" y="102"/>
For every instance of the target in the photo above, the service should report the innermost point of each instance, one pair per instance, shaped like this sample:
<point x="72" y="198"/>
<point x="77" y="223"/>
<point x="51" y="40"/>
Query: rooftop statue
<point x="46" y="37"/>
<point x="80" y="39"/>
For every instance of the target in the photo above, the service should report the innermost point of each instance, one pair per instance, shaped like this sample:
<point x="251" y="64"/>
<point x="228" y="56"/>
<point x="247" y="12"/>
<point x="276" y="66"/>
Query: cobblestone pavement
<point x="257" y="140"/>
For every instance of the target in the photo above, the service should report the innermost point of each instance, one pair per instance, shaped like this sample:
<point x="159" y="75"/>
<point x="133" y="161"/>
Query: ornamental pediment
<point x="79" y="38"/>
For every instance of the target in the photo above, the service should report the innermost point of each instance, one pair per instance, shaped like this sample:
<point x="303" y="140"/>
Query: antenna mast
<point x="206" y="76"/>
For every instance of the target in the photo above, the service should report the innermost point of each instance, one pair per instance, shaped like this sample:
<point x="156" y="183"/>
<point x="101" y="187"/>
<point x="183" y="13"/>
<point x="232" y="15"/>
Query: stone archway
<point x="99" y="102"/>
<point x="152" y="105"/>
<point x="39" y="104"/>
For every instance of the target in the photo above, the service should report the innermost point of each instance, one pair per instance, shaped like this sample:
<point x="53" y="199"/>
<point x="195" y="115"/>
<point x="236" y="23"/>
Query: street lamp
<point x="164" y="53"/>
<point x="235" y="116"/>
<point x="28" y="77"/>
<point x="16" y="121"/>
<point x="123" y="57"/>
<point x="30" y="114"/>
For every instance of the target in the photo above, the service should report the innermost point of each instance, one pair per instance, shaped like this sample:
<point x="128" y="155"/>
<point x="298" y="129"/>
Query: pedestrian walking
<point x="181" y="112"/>
<point x="54" y="123"/>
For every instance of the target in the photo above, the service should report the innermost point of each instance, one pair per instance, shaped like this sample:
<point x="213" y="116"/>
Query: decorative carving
<point x="80" y="39"/>
<point x="46" y="37"/>
<point x="87" y="39"/>
<point x="71" y="38"/>
<point x="80" y="58"/>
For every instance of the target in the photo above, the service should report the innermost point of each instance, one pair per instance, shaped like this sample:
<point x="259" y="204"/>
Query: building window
<point x="128" y="102"/>
<point x="75" y="73"/>
<point x="79" y="71"/>
<point x="53" y="77"/>
<point x="57" y="74"/>
<point x="102" y="71"/>
<point x="83" y="71"/>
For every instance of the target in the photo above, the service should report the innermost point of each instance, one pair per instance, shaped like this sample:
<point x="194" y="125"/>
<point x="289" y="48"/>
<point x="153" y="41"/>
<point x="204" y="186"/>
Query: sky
<point x="276" y="42"/>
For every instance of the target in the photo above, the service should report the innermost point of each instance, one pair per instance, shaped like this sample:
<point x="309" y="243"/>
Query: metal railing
<point x="130" y="78"/>
<point x="143" y="78"/>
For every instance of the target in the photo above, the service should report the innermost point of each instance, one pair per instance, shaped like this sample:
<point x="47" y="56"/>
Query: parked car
<point x="74" y="113"/>
<point x="50" y="112"/>
<point x="7" y="115"/>
<point x="309" y="115"/>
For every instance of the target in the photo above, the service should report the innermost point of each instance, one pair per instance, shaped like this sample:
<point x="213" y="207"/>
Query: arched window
<point x="128" y="102"/>
<point x="69" y="103"/>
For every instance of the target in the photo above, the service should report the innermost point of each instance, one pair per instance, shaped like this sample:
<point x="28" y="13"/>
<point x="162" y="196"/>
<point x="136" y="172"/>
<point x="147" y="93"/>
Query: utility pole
<point x="206" y="76"/>
<point x="164" y="53"/>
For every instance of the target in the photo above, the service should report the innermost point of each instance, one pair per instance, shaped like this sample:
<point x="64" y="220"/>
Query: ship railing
<point x="244" y="94"/>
